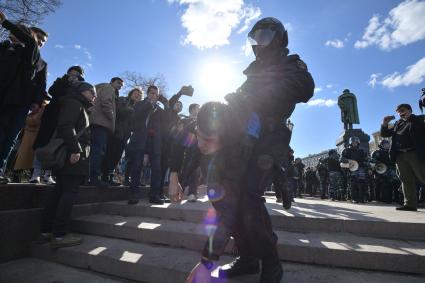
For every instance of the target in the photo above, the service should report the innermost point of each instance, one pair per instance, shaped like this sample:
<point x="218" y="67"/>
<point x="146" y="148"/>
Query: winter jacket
<point x="125" y="110"/>
<point x="18" y="69"/>
<point x="104" y="111"/>
<point x="146" y="116"/>
<point x="73" y="117"/>
<point x="49" y="119"/>
<point x="416" y="131"/>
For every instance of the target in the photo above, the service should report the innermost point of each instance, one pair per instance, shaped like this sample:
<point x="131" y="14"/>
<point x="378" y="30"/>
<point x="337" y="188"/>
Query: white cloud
<point x="77" y="46"/>
<point x="322" y="102"/>
<point x="415" y="74"/>
<point x="318" y="89"/>
<point x="247" y="49"/>
<point x="329" y="86"/>
<point x="210" y="23"/>
<point x="288" y="27"/>
<point x="404" y="25"/>
<point x="250" y="14"/>
<point x="335" y="43"/>
<point x="88" y="54"/>
<point x="59" y="46"/>
<point x="373" y="79"/>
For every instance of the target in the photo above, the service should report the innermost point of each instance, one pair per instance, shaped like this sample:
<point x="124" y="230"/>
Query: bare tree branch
<point x="31" y="12"/>
<point x="137" y="80"/>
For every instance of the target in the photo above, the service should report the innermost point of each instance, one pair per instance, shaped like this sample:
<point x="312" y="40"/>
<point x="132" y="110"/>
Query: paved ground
<point x="317" y="208"/>
<point x="374" y="211"/>
<point x="31" y="270"/>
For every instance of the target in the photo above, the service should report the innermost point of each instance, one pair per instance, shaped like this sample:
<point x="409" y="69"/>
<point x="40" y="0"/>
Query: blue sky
<point x="374" y="48"/>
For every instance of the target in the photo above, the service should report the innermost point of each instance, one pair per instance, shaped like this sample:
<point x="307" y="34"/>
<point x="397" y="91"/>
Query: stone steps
<point x="129" y="259"/>
<point x="281" y="219"/>
<point x="158" y="264"/>
<point x="333" y="249"/>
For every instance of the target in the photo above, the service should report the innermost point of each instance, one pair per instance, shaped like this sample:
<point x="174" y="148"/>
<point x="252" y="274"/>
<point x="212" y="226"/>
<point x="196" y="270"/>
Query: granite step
<point x="332" y="249"/>
<point x="158" y="264"/>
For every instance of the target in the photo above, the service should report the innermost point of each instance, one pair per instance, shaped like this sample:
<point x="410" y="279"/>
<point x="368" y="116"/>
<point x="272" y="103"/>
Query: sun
<point x="219" y="78"/>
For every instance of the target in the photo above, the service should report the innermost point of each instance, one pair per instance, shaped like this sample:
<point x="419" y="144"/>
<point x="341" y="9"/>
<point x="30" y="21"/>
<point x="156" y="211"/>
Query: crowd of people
<point x="78" y="133"/>
<point x="338" y="178"/>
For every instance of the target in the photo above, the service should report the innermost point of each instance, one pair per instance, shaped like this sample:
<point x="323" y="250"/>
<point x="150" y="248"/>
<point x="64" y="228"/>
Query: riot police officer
<point x="385" y="176"/>
<point x="323" y="175"/>
<point x="357" y="178"/>
<point x="276" y="82"/>
<point x="337" y="189"/>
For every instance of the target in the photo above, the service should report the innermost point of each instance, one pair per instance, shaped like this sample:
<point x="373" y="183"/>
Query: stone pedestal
<point x="343" y="141"/>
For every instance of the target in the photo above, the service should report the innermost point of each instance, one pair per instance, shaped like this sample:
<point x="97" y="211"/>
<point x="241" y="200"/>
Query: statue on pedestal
<point x="347" y="102"/>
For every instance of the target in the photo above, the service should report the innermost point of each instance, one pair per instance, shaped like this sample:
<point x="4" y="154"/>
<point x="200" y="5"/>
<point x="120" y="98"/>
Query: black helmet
<point x="268" y="32"/>
<point x="384" y="142"/>
<point x="354" y="139"/>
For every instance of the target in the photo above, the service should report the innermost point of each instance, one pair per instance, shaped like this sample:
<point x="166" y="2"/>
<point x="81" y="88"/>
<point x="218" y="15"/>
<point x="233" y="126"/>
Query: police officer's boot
<point x="271" y="270"/>
<point x="241" y="266"/>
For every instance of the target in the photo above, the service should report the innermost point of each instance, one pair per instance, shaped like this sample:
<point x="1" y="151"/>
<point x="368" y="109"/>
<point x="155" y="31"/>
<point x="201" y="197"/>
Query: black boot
<point x="271" y="270"/>
<point x="240" y="266"/>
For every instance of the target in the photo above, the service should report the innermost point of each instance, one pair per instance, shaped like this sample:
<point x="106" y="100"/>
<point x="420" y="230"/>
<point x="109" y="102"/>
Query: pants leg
<point x="255" y="218"/>
<point x="155" y="161"/>
<point x="114" y="150"/>
<point x="194" y="181"/>
<point x="408" y="179"/>
<point x="70" y="185"/>
<point x="12" y="120"/>
<point x="99" y="136"/>
<point x="37" y="168"/>
<point x="136" y="170"/>
<point x="50" y="206"/>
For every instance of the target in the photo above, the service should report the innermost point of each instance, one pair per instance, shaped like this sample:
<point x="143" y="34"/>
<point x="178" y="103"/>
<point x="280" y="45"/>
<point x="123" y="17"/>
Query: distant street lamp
<point x="289" y="125"/>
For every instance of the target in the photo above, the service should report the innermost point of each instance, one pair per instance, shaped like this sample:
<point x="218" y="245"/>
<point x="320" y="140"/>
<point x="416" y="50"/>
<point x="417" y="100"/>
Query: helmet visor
<point x="261" y="37"/>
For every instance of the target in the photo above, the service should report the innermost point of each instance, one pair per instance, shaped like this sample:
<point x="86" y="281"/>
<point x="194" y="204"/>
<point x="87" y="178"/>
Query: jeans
<point x="155" y="161"/>
<point x="58" y="207"/>
<point x="37" y="169"/>
<point x="12" y="120"/>
<point x="99" y="140"/>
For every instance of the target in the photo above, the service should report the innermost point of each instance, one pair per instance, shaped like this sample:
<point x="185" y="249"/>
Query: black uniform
<point x="273" y="87"/>
<point x="323" y="175"/>
<point x="337" y="188"/>
<point x="357" y="179"/>
<point x="386" y="184"/>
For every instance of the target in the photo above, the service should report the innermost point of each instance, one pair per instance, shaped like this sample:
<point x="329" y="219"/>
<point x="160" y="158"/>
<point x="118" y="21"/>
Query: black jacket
<point x="18" y="68"/>
<point x="72" y="119"/>
<point x="125" y="110"/>
<point x="49" y="119"/>
<point x="144" y="110"/>
<point x="355" y="153"/>
<point x="273" y="87"/>
<point x="417" y="132"/>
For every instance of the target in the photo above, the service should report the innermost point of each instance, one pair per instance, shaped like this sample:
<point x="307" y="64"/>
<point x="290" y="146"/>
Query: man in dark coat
<point x="17" y="95"/>
<point x="118" y="140"/>
<point x="73" y="128"/>
<point x="408" y="151"/>
<point x="146" y="138"/>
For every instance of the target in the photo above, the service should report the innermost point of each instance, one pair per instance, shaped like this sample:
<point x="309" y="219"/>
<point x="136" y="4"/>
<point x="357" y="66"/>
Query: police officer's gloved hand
<point x="252" y="133"/>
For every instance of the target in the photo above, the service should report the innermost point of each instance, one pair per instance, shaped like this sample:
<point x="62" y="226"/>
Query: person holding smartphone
<point x="408" y="151"/>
